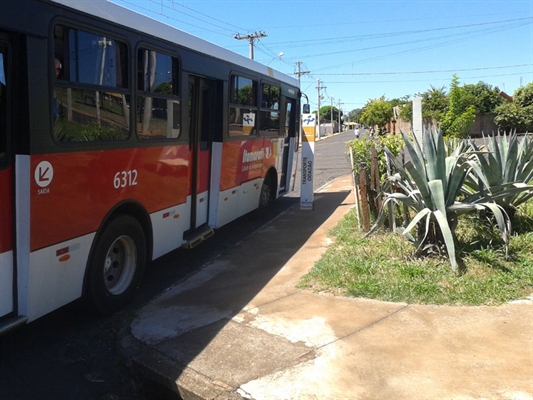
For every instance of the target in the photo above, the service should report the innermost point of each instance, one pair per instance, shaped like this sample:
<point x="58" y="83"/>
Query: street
<point x="70" y="354"/>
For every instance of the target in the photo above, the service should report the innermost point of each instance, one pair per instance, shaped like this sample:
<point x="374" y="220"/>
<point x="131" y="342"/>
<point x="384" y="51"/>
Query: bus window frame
<point x="271" y="110"/>
<point x="95" y="29"/>
<point x="255" y="107"/>
<point x="178" y="96"/>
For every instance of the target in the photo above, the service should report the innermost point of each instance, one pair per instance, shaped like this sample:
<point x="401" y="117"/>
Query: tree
<point x="434" y="104"/>
<point x="483" y="97"/>
<point x="325" y="113"/>
<point x="461" y="114"/>
<point x="401" y="104"/>
<point x="517" y="115"/>
<point x="524" y="95"/>
<point x="377" y="112"/>
<point x="355" y="115"/>
<point x="406" y="112"/>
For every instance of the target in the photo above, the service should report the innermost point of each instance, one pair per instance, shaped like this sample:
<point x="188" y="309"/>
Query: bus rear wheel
<point x="117" y="265"/>
<point x="265" y="198"/>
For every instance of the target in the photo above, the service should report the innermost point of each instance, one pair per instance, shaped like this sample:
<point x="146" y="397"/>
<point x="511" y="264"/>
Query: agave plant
<point x="502" y="169"/>
<point x="430" y="184"/>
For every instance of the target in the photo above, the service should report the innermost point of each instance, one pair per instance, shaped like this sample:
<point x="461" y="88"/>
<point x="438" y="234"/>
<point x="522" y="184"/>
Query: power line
<point x="403" y="52"/>
<point x="359" y="82"/>
<point x="373" y="22"/>
<point x="207" y="16"/>
<point x="461" y="37"/>
<point x="427" y="72"/>
<point x="137" y="6"/>
<point x="316" y="42"/>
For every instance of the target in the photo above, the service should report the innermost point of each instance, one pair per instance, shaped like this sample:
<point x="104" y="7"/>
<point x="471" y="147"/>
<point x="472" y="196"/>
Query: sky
<point x="358" y="50"/>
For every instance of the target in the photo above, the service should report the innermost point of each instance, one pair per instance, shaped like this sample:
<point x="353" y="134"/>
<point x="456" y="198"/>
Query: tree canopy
<point x="377" y="112"/>
<point x="325" y="113"/>
<point x="455" y="111"/>
<point x="518" y="114"/>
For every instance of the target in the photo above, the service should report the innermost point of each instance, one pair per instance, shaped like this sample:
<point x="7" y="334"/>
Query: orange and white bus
<point x="122" y="139"/>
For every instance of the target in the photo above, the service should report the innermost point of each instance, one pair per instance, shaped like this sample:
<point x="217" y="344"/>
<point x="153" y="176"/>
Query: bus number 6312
<point x="125" y="178"/>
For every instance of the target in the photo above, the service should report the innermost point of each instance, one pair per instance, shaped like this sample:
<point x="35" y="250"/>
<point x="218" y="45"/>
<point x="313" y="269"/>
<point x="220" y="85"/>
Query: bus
<point x="122" y="139"/>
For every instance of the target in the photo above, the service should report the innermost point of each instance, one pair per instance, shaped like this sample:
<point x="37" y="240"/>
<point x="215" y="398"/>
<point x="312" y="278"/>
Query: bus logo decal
<point x="44" y="173"/>
<point x="309" y="120"/>
<point x="251" y="156"/>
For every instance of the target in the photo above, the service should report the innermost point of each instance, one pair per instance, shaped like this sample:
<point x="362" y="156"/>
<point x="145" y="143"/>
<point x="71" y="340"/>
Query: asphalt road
<point x="70" y="354"/>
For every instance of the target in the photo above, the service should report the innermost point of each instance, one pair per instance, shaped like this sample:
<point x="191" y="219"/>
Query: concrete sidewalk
<point x="239" y="328"/>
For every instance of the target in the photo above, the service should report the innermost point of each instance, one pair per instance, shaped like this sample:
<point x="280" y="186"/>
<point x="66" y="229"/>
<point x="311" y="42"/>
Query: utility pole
<point x="251" y="37"/>
<point x="318" y="112"/>
<point x="299" y="73"/>
<point x="340" y="105"/>
<point x="331" y="116"/>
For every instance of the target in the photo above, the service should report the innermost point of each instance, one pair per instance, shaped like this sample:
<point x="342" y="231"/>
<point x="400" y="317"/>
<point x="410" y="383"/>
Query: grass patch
<point x="384" y="267"/>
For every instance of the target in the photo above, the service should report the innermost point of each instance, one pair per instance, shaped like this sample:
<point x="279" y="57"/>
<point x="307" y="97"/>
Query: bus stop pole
<point x="308" y="161"/>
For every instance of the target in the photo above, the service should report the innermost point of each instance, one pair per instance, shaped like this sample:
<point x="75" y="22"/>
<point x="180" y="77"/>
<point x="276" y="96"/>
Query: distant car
<point x="356" y="131"/>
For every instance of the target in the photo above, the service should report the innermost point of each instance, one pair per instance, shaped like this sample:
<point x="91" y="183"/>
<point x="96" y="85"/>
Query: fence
<point x="368" y="192"/>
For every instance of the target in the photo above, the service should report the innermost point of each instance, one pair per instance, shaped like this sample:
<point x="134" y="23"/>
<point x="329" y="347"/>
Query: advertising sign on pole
<point x="308" y="158"/>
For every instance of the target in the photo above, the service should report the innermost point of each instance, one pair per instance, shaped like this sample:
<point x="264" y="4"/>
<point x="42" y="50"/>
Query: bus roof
<point x="120" y="15"/>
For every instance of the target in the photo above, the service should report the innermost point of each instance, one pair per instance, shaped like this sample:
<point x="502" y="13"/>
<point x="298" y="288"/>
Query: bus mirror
<point x="306" y="109"/>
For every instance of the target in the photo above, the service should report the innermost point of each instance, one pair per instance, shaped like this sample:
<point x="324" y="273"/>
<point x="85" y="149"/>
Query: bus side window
<point x="91" y="97"/>
<point x="158" y="114"/>
<point x="269" y="117"/>
<point x="243" y="109"/>
<point x="3" y="106"/>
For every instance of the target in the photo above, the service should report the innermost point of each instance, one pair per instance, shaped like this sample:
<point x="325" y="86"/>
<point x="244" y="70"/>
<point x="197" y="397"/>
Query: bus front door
<point x="203" y="118"/>
<point x="9" y="313"/>
<point x="289" y="141"/>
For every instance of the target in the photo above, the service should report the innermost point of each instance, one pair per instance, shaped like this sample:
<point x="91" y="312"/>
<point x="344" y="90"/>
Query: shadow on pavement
<point x="185" y="338"/>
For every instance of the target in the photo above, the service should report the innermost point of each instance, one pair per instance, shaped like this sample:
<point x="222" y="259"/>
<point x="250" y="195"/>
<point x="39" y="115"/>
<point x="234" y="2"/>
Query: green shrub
<point x="430" y="185"/>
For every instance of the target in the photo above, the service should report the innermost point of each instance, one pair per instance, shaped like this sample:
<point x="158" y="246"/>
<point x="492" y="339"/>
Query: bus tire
<point x="265" y="197"/>
<point x="117" y="265"/>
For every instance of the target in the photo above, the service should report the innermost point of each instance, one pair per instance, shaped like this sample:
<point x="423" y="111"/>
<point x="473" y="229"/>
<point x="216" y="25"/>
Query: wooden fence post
<point x="364" y="200"/>
<point x="355" y="191"/>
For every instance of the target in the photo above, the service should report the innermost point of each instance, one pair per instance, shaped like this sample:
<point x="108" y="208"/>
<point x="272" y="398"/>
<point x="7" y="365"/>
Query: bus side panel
<point x="22" y="227"/>
<point x="168" y="227"/>
<point x="214" y="189"/>
<point x="278" y="148"/>
<point x="244" y="161"/>
<point x="56" y="275"/>
<point x="243" y="168"/>
<point x="71" y="193"/>
<point x="6" y="242"/>
<point x="290" y="162"/>
<point x="202" y="203"/>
